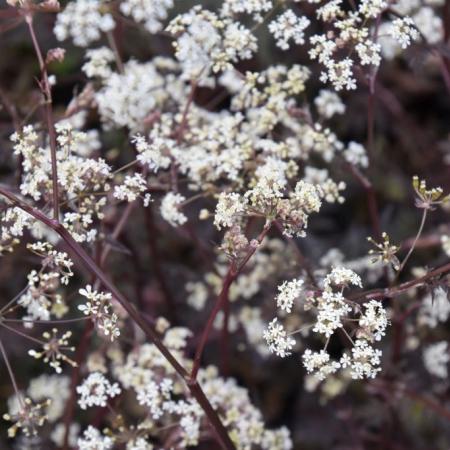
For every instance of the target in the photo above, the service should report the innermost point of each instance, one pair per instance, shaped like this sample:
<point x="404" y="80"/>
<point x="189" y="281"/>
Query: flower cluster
<point x="208" y="44"/>
<point x="96" y="390"/>
<point x="83" y="21"/>
<point x="52" y="350"/>
<point x="145" y="374"/>
<point x="333" y="312"/>
<point x="99" y="309"/>
<point x="83" y="182"/>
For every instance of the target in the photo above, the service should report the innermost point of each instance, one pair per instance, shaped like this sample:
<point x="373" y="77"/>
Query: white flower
<point x="98" y="61"/>
<point x="288" y="292"/>
<point x="356" y="154"/>
<point x="328" y="104"/>
<point x="435" y="308"/>
<point x="95" y="391"/>
<point x="127" y="98"/>
<point x="278" y="340"/>
<point x="331" y="308"/>
<point x="155" y="154"/>
<point x="288" y="26"/>
<point x="372" y="8"/>
<point x="149" y="12"/>
<point x="364" y="361"/>
<point x="340" y="74"/>
<point x="150" y="397"/>
<point x="170" y="209"/>
<point x="435" y="358"/>
<point x="228" y="210"/>
<point x="99" y="308"/>
<point x="369" y="53"/>
<point x="131" y="188"/>
<point x="207" y="44"/>
<point x="403" y="31"/>
<point x="429" y="24"/>
<point x="374" y="320"/>
<point x="341" y="277"/>
<point x="93" y="440"/>
<point x="83" y="21"/>
<point x="319" y="363"/>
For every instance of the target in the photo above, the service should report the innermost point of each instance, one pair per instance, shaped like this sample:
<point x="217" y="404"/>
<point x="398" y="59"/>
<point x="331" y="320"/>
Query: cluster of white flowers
<point x="83" y="21"/>
<point x="96" y="390"/>
<point x="208" y="44"/>
<point x="352" y="30"/>
<point x="93" y="439"/>
<point x="255" y="8"/>
<point x="132" y="188"/>
<point x="288" y="292"/>
<point x="45" y="400"/>
<point x="229" y="207"/>
<point x="41" y="298"/>
<point x="156" y="154"/>
<point x="149" y="12"/>
<point x="145" y="374"/>
<point x="127" y="99"/>
<point x="170" y="209"/>
<point x="436" y="358"/>
<point x="99" y="309"/>
<point x="332" y="312"/>
<point x="403" y="31"/>
<point x="288" y="26"/>
<point x="329" y="104"/>
<point x="52" y="350"/>
<point x="278" y="339"/>
<point x="98" y="63"/>
<point x="83" y="182"/>
<point x="435" y="309"/>
<point x="267" y="159"/>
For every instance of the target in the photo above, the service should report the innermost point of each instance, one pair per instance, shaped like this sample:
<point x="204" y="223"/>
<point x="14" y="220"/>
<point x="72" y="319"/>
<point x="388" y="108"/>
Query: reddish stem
<point x="47" y="93"/>
<point x="77" y="250"/>
<point x="233" y="272"/>
<point x="371" y="199"/>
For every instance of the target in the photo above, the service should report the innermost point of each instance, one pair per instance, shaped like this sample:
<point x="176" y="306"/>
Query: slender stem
<point x="11" y="302"/>
<point x="233" y="272"/>
<point x="126" y="166"/>
<point x="184" y="119"/>
<point x="79" y="356"/>
<point x="47" y="322"/>
<point x="117" y="230"/>
<point x="221" y="299"/>
<point x="77" y="250"/>
<point x="299" y="330"/>
<point x="46" y="91"/>
<point x="413" y="246"/>
<point x="25" y="336"/>
<point x="155" y="254"/>
<point x="348" y="336"/>
<point x="303" y="262"/>
<point x="372" y="203"/>
<point x="225" y="338"/>
<point x="397" y="290"/>
<point x="11" y="373"/>
<point x="113" y="44"/>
